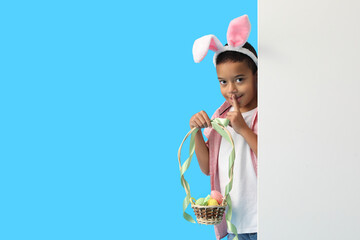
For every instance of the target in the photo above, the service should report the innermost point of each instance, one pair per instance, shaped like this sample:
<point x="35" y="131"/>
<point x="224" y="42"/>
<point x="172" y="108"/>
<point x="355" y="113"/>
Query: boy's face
<point x="236" y="78"/>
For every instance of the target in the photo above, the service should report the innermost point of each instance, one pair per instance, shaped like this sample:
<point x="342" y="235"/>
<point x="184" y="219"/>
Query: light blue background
<point x="95" y="99"/>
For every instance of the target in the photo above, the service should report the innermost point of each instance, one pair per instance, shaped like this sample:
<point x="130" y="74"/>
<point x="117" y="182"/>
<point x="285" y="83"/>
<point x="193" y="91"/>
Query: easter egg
<point x="200" y="201"/>
<point x="216" y="195"/>
<point x="206" y="200"/>
<point x="213" y="202"/>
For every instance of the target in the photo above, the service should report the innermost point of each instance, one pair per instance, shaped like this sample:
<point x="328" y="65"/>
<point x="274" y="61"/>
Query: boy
<point x="237" y="74"/>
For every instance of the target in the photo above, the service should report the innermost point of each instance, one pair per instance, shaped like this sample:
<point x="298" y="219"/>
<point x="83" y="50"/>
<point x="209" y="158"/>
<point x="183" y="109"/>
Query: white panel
<point x="309" y="116"/>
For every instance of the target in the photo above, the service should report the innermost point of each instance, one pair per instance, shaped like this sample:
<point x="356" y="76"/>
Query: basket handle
<point x="219" y="125"/>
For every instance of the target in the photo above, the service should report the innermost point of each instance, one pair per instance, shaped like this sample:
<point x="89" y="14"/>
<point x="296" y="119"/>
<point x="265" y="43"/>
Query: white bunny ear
<point x="203" y="45"/>
<point x="238" y="31"/>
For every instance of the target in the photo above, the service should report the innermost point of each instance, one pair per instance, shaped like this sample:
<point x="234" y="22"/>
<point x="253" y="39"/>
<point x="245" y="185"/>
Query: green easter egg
<point x="206" y="200"/>
<point x="200" y="201"/>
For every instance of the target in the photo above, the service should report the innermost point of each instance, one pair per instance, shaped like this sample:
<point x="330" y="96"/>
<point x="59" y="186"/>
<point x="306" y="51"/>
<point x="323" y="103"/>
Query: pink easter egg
<point x="217" y="196"/>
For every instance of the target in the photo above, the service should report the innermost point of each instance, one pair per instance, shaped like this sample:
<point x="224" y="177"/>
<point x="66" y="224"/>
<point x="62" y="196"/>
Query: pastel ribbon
<point x="219" y="125"/>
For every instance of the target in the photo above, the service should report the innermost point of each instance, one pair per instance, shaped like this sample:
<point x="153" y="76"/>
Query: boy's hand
<point x="200" y="120"/>
<point x="236" y="119"/>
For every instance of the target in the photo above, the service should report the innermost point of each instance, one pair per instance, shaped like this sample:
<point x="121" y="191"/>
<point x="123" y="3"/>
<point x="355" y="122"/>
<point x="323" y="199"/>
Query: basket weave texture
<point x="209" y="215"/>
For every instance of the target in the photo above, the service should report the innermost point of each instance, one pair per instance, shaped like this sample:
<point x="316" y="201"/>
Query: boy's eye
<point x="222" y="82"/>
<point x="239" y="79"/>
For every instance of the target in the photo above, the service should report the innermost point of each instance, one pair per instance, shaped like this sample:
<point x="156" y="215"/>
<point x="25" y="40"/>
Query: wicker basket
<point x="209" y="215"/>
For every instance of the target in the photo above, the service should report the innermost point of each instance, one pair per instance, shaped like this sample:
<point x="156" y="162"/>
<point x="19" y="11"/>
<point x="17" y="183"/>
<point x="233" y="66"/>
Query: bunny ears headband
<point x="237" y="35"/>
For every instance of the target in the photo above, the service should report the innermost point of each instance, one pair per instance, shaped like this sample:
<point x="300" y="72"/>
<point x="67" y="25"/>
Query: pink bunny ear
<point x="203" y="45"/>
<point x="238" y="31"/>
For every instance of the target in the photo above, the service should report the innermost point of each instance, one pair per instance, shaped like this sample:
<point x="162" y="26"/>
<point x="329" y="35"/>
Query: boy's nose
<point x="232" y="88"/>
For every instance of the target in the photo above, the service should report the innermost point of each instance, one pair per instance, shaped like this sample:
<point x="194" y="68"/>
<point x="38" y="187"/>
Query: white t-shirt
<point x="244" y="191"/>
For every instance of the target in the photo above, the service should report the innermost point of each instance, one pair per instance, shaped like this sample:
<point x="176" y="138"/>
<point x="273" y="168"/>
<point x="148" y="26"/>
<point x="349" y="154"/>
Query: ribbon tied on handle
<point x="219" y="125"/>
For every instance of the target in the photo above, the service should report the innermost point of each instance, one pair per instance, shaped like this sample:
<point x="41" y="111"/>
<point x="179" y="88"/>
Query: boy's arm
<point x="202" y="153"/>
<point x="201" y="120"/>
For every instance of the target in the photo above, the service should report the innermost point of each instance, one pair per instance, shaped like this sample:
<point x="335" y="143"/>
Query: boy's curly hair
<point x="232" y="56"/>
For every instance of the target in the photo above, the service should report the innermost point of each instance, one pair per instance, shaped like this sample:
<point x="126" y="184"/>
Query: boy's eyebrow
<point x="240" y="75"/>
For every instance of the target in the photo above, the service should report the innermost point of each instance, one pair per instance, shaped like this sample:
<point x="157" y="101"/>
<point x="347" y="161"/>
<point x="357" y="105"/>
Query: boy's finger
<point x="198" y="123"/>
<point x="202" y="120"/>
<point x="207" y="119"/>
<point x="235" y="103"/>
